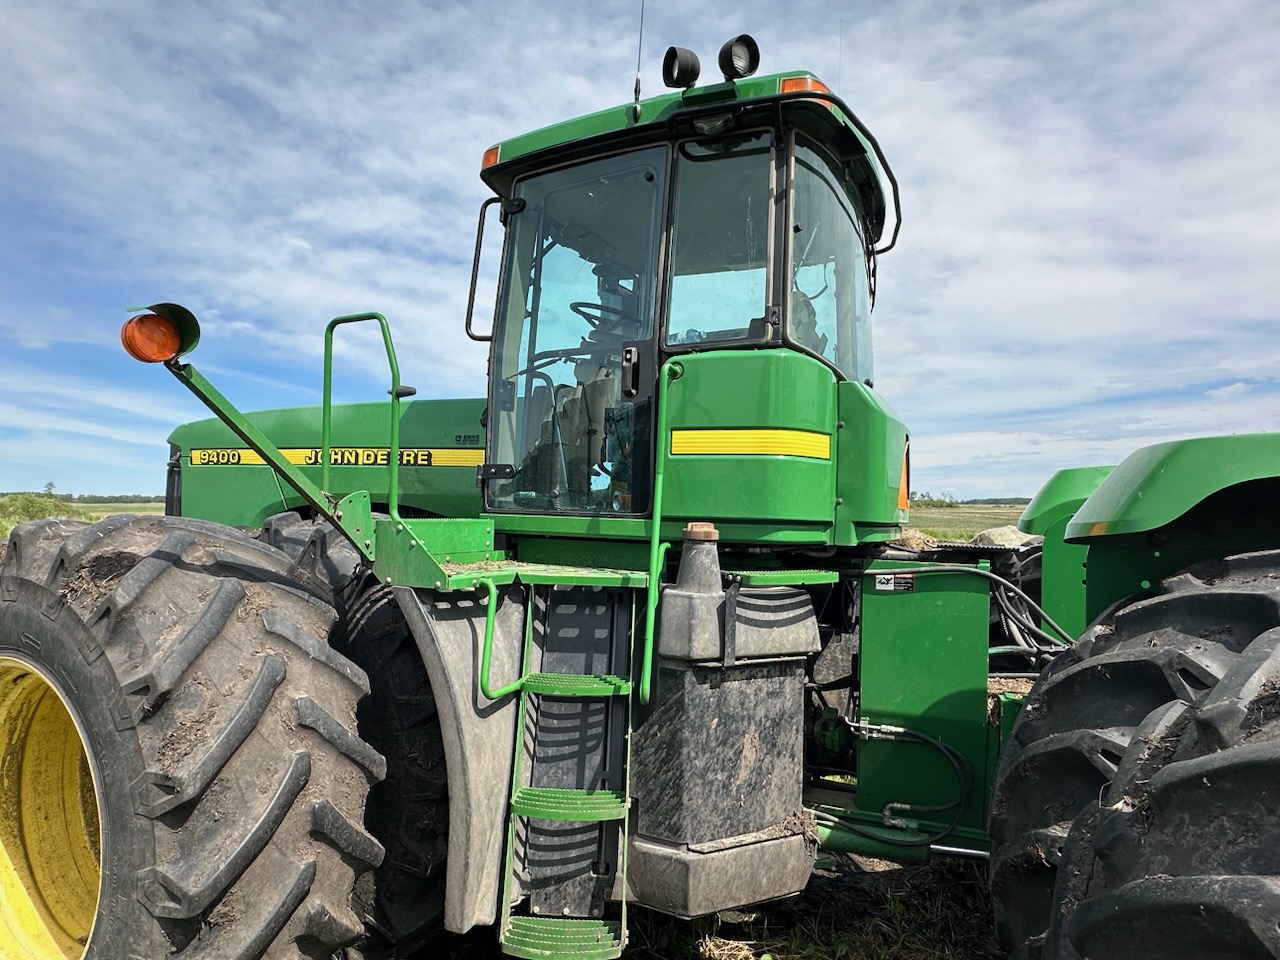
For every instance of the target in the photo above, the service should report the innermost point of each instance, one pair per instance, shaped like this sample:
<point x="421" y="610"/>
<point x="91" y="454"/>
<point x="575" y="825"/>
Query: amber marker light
<point x="165" y="332"/>
<point x="904" y="482"/>
<point x="806" y="85"/>
<point x="490" y="157"/>
<point x="150" y="338"/>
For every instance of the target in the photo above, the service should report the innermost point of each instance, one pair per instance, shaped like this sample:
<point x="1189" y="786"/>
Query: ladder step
<point x="540" y="937"/>
<point x="578" y="806"/>
<point x="575" y="685"/>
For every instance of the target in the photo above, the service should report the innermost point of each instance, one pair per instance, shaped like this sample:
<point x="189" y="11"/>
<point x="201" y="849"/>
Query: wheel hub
<point x="50" y="834"/>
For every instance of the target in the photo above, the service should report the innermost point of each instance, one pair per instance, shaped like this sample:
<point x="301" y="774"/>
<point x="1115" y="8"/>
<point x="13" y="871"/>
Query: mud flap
<point x="448" y="629"/>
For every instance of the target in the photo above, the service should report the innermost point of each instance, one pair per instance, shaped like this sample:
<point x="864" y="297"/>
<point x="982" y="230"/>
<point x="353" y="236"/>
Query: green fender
<point x="1158" y="484"/>
<point x="1170" y="505"/>
<point x="1060" y="498"/>
<point x="1062" y="564"/>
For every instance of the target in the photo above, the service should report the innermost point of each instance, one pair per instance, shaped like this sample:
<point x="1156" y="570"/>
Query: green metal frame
<point x="350" y="514"/>
<point x="671" y="370"/>
<point x="414" y="552"/>
<point x="326" y="417"/>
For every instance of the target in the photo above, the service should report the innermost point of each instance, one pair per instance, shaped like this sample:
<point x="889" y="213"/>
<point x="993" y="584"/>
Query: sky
<point x="1088" y="259"/>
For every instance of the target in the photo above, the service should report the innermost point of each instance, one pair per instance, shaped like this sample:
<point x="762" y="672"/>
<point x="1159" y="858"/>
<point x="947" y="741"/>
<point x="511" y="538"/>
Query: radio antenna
<point x="635" y="106"/>
<point x="840" y="69"/>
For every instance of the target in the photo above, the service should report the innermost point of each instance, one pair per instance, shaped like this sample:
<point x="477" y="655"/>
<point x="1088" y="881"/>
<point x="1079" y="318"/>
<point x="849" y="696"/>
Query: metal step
<point x="575" y="806"/>
<point x="537" y="938"/>
<point x="575" y="685"/>
<point x="782" y="578"/>
<point x="465" y="576"/>
<point x="566" y="835"/>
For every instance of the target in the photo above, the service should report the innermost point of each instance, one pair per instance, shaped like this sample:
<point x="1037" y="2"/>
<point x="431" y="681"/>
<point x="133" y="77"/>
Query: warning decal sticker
<point x="898" y="582"/>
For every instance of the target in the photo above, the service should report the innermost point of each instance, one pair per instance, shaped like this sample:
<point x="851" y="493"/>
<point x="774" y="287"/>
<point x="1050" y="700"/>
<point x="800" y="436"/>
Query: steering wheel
<point x="602" y="317"/>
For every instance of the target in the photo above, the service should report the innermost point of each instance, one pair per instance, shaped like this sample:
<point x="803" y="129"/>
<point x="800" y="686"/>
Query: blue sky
<point x="1091" y="194"/>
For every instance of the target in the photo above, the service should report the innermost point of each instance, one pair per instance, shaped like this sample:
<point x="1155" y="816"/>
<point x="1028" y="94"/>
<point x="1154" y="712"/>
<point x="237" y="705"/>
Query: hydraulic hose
<point x="959" y="766"/>
<point x="995" y="578"/>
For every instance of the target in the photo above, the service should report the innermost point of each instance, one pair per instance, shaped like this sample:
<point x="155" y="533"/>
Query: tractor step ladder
<point x="567" y="829"/>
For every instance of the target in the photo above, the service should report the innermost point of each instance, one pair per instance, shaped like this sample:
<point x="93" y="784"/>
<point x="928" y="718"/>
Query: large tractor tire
<point x="1136" y="811"/>
<point x="409" y="811"/>
<point x="179" y="772"/>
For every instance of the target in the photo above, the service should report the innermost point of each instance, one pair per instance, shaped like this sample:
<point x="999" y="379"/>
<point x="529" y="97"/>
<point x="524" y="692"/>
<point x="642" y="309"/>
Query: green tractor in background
<point x="670" y="648"/>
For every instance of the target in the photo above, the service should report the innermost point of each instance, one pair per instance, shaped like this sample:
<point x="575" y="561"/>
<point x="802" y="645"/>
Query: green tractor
<point x="636" y="628"/>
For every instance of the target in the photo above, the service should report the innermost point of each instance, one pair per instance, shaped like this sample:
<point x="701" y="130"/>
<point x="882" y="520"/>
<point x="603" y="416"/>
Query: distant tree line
<point x="49" y="492"/>
<point x="927" y="499"/>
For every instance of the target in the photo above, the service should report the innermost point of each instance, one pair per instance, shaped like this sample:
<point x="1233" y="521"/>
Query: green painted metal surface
<point x="441" y="441"/>
<point x="655" y="113"/>
<point x="658" y="547"/>
<point x="578" y="806"/>
<point x="784" y="578"/>
<point x="840" y="839"/>
<point x="249" y="433"/>
<point x="538" y="938"/>
<point x="1062" y="564"/>
<point x="595" y="530"/>
<point x="763" y="453"/>
<point x="467" y="576"/>
<point x="924" y="667"/>
<point x="1157" y="484"/>
<point x="416" y="553"/>
<point x="393" y="408"/>
<point x="629" y="554"/>
<point x="573" y="685"/>
<point x="870" y="445"/>
<point x="1173" y="504"/>
<point x="1060" y="497"/>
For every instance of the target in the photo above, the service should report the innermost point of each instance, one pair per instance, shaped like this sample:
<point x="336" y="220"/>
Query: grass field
<point x="100" y="510"/>
<point x="961" y="522"/>
<point x="16" y="508"/>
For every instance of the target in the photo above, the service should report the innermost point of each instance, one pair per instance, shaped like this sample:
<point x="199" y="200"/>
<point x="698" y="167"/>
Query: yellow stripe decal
<point x="779" y="443"/>
<point x="343" y="457"/>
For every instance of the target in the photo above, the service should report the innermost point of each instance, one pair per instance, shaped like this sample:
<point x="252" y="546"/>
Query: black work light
<point x="680" y="68"/>
<point x="739" y="57"/>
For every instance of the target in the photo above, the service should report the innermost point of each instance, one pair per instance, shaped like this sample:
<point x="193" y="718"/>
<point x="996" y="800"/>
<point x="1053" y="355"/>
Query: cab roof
<point x="585" y="135"/>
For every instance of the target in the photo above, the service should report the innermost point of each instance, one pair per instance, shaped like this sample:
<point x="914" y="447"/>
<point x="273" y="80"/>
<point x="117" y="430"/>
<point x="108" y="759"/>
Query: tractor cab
<point x="724" y="234"/>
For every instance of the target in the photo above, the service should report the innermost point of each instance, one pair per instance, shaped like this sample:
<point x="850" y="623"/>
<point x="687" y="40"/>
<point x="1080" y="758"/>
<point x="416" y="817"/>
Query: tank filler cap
<point x="701" y="530"/>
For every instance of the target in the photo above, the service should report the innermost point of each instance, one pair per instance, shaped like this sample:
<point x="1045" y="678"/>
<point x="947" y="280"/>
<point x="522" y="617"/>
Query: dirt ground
<point x="856" y="908"/>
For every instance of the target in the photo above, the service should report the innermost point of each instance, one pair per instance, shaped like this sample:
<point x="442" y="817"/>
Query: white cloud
<point x="1085" y="265"/>
<point x="1229" y="391"/>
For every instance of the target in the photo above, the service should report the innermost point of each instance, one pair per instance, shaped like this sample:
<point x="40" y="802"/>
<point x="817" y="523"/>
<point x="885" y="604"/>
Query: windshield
<point x="580" y="285"/>
<point x="830" y="302"/>
<point x="720" y="240"/>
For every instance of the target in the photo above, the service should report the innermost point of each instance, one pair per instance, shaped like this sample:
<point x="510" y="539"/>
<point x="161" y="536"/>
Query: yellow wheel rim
<point x="50" y="838"/>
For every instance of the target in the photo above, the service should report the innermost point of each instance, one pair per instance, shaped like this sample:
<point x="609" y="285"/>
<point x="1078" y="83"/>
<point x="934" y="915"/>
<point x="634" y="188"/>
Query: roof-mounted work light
<point x="165" y="333"/>
<point x="739" y="57"/>
<point x="680" y="68"/>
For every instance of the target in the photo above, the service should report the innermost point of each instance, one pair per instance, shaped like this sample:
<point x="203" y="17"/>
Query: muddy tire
<point x="409" y="811"/>
<point x="1136" y="811"/>
<point x="178" y="769"/>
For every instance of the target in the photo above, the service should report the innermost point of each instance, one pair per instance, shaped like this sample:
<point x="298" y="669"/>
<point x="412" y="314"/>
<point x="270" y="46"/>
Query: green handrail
<point x="671" y="370"/>
<point x="393" y="454"/>
<point x="486" y="650"/>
